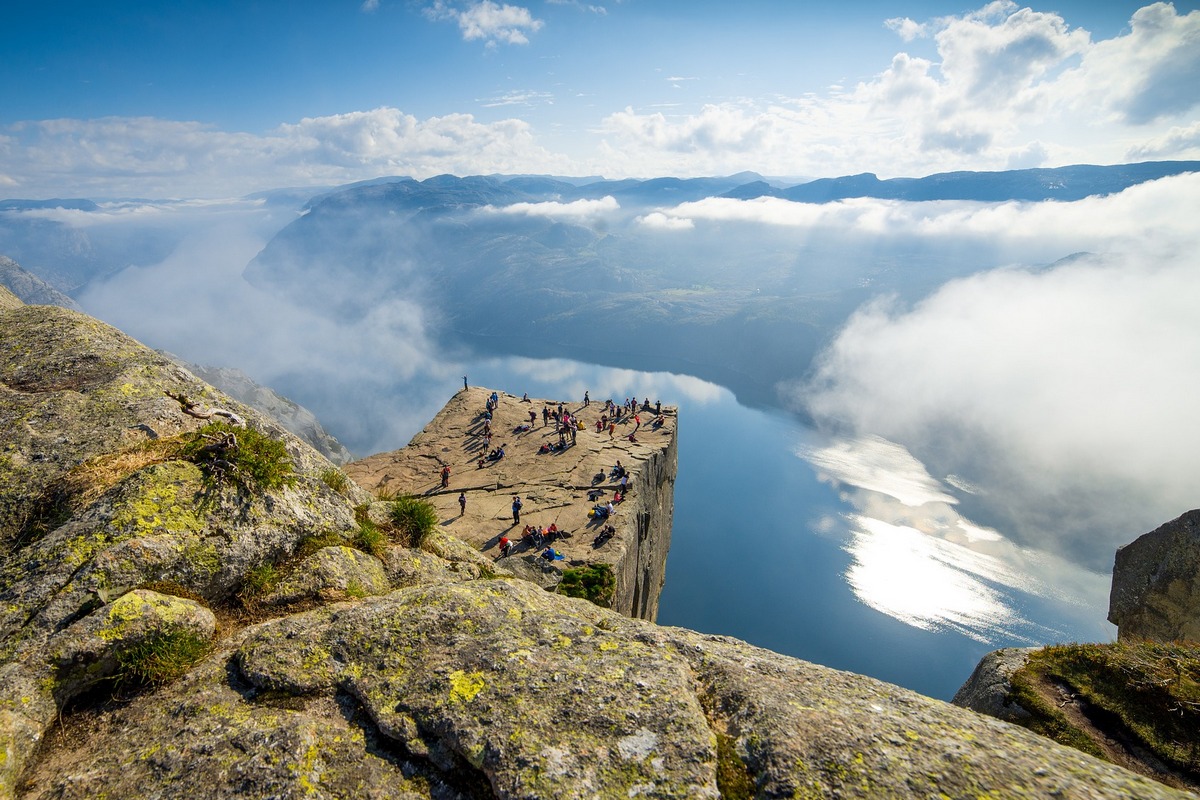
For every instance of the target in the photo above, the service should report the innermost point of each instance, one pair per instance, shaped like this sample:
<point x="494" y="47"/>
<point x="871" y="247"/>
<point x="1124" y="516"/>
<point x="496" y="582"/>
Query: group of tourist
<point x="567" y="424"/>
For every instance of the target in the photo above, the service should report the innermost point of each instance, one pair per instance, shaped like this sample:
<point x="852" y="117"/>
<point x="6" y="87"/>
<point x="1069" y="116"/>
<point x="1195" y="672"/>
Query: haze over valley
<point x="967" y="355"/>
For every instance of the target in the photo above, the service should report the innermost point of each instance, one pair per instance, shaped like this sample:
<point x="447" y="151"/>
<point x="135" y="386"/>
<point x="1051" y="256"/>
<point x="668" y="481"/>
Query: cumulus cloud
<point x="661" y="221"/>
<point x="906" y="28"/>
<point x="1010" y="87"/>
<point x="1178" y="142"/>
<point x="490" y="22"/>
<point x="1067" y="391"/>
<point x="577" y="210"/>
<point x="1145" y="75"/>
<point x="147" y="156"/>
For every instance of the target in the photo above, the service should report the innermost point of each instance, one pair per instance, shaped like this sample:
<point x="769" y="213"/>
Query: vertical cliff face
<point x="642" y="568"/>
<point x="558" y="487"/>
<point x="1156" y="583"/>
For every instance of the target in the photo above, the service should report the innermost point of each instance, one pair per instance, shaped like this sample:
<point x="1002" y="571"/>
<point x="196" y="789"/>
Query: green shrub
<point x="335" y="479"/>
<point x="596" y="583"/>
<point x="370" y="539"/>
<point x="414" y="520"/>
<point x="253" y="460"/>
<point x="160" y="658"/>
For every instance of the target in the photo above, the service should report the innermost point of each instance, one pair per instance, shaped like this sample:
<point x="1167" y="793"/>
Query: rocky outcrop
<point x="498" y="689"/>
<point x="30" y="288"/>
<point x="989" y="690"/>
<point x="555" y="488"/>
<point x="1156" y="583"/>
<point x="129" y="558"/>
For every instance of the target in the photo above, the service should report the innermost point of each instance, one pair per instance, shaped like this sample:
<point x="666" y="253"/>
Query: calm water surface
<point x="779" y="540"/>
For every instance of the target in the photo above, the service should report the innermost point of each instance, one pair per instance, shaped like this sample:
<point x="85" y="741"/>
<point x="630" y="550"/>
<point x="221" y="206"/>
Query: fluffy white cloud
<point x="1011" y="87"/>
<point x="489" y="21"/>
<point x="578" y="210"/>
<point x="1148" y="74"/>
<point x="1149" y="217"/>
<point x="1179" y="142"/>
<point x="1066" y="391"/>
<point x="145" y="156"/>
<point x="657" y="219"/>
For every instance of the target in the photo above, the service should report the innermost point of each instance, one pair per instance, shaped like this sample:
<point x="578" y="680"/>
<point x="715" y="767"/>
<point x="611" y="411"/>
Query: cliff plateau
<point x="556" y="487"/>
<point x="126" y="524"/>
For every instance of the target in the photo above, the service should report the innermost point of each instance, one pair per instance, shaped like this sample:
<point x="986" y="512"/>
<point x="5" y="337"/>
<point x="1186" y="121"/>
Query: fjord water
<point x="769" y="547"/>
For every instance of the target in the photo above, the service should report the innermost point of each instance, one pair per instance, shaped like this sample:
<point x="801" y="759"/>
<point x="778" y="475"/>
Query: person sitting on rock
<point x="604" y="535"/>
<point x="506" y="546"/>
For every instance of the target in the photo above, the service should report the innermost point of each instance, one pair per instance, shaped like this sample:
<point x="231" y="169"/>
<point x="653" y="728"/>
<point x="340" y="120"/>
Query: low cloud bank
<point x="1067" y="393"/>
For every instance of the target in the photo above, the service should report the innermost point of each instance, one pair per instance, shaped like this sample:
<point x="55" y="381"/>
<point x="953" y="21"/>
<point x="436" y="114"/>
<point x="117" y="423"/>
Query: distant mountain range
<point x="744" y="308"/>
<point x="1057" y="183"/>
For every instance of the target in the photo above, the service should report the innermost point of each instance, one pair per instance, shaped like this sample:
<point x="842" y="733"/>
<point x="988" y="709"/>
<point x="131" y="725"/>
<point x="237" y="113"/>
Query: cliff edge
<point x="191" y="607"/>
<point x="556" y="487"/>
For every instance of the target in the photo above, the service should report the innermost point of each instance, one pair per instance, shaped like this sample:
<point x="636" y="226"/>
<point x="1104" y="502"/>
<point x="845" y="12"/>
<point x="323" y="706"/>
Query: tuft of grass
<point x="387" y="495"/>
<point x="251" y="459"/>
<point x="161" y="658"/>
<point x="1151" y="688"/>
<point x="259" y="581"/>
<point x="370" y="539"/>
<point x="414" y="519"/>
<point x="335" y="479"/>
<point x="595" y="583"/>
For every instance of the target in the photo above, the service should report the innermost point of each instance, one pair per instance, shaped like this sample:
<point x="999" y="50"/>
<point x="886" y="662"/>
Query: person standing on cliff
<point x="464" y="383"/>
<point x="586" y="400"/>
<point x="462" y="503"/>
<point x="516" y="509"/>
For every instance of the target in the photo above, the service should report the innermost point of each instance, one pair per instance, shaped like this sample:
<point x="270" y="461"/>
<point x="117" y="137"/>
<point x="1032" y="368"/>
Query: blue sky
<point x="222" y="98"/>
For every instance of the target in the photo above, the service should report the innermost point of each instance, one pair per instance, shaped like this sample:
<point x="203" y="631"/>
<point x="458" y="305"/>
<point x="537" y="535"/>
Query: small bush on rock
<point x="253" y="460"/>
<point x="596" y="583"/>
<point x="414" y="519"/>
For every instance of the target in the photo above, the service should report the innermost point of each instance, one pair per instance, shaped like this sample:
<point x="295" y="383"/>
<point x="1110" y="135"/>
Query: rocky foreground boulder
<point x="1156" y="583"/>
<point x="174" y="625"/>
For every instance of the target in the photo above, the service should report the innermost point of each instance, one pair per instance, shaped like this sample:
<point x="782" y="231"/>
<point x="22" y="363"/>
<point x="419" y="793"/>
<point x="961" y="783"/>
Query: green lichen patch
<point x="734" y="779"/>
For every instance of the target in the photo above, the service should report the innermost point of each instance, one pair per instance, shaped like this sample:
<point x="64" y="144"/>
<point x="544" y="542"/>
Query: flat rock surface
<point x="553" y="486"/>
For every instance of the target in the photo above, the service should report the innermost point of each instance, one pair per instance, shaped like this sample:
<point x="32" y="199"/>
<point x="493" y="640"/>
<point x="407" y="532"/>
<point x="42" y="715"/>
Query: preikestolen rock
<point x="499" y="689"/>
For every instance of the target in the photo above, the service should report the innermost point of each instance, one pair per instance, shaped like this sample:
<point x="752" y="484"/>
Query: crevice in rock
<point x="454" y="779"/>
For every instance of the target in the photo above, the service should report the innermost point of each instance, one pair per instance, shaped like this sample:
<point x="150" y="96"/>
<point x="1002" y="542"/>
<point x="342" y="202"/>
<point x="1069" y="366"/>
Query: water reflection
<point x="917" y="559"/>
